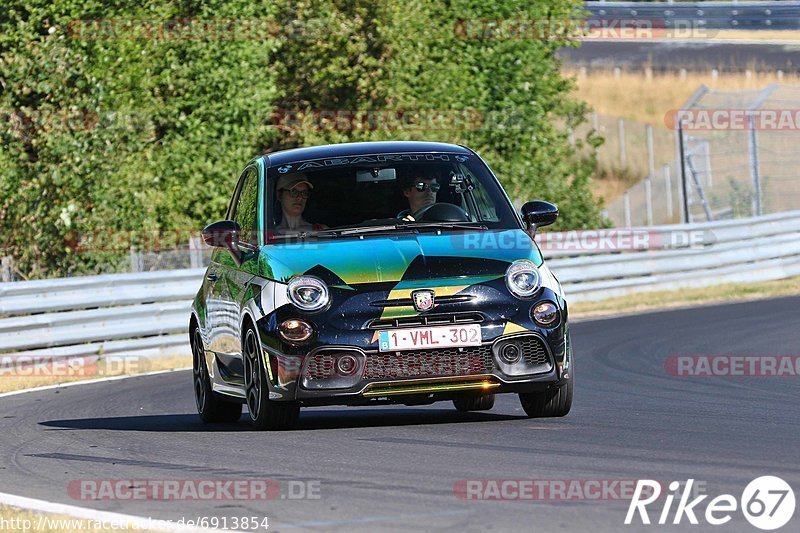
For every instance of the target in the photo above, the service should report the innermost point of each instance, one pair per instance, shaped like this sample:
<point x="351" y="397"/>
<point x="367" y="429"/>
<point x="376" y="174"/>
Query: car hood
<point x="405" y="257"/>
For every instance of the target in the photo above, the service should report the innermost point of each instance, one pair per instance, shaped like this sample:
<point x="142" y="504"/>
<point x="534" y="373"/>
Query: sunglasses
<point x="294" y="193"/>
<point x="434" y="187"/>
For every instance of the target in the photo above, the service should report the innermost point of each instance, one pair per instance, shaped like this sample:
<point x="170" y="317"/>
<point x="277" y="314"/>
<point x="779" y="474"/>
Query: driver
<point x="420" y="192"/>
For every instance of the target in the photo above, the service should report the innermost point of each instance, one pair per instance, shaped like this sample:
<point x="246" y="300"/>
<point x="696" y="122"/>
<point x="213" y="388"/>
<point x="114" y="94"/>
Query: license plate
<point x="434" y="337"/>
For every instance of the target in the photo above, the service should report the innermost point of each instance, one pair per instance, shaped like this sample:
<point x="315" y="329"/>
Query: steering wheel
<point x="442" y="212"/>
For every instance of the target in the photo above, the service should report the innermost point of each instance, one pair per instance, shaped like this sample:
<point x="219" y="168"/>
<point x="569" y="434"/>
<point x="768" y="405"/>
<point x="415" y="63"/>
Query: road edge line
<point x="130" y="522"/>
<point x="89" y="382"/>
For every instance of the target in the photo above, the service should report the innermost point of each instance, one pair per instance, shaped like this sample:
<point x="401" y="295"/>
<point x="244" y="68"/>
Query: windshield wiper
<point x="389" y="228"/>
<point x="355" y="231"/>
<point x="439" y="225"/>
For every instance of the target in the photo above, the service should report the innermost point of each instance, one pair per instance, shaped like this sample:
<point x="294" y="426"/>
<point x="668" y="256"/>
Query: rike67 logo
<point x="767" y="503"/>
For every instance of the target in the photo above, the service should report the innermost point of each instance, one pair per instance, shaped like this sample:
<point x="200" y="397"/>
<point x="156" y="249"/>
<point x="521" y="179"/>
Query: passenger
<point x="293" y="193"/>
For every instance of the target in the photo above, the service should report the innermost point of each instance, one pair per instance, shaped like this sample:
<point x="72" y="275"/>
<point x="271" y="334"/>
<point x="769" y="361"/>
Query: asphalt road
<point x="395" y="468"/>
<point x="673" y="55"/>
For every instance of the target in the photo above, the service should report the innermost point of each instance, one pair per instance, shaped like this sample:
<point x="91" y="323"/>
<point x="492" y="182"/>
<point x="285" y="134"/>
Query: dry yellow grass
<point x="652" y="301"/>
<point x="753" y="35"/>
<point x="647" y="99"/>
<point x="16" y="376"/>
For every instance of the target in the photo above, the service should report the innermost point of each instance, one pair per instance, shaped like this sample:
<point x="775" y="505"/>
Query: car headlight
<point x="522" y="279"/>
<point x="308" y="293"/>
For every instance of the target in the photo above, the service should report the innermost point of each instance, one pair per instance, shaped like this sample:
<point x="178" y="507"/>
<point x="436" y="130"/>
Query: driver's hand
<point x="409" y="218"/>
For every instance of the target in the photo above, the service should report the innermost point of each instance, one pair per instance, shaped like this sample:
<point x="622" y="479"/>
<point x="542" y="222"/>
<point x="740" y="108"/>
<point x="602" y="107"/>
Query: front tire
<point x="264" y="413"/>
<point x="550" y="403"/>
<point x="210" y="407"/>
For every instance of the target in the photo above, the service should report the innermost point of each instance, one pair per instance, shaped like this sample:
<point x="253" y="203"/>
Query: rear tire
<point x="474" y="403"/>
<point x="550" y="403"/>
<point x="210" y="407"/>
<point x="264" y="413"/>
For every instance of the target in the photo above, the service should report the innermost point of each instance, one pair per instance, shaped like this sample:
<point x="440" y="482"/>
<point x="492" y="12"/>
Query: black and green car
<point x="369" y="273"/>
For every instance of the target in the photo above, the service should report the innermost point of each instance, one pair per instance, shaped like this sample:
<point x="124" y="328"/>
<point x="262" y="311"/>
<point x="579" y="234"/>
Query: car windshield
<point x="384" y="193"/>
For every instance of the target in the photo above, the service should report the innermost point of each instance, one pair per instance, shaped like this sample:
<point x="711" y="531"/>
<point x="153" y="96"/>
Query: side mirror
<point x="222" y="234"/>
<point x="537" y="214"/>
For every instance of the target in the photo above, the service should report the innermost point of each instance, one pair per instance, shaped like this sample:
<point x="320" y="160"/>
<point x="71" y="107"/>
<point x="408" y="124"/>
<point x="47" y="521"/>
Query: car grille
<point x="467" y="361"/>
<point x="534" y="351"/>
<point x="320" y="366"/>
<point x="430" y="363"/>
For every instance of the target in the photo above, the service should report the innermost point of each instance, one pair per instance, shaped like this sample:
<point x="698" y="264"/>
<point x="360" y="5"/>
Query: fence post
<point x="700" y="192"/>
<point x="707" y="153"/>
<point x="683" y="189"/>
<point x="651" y="156"/>
<point x="623" y="159"/>
<point x="595" y="121"/>
<point x="668" y="189"/>
<point x="7" y="269"/>
<point x="626" y="202"/>
<point x="752" y="148"/>
<point x="648" y="199"/>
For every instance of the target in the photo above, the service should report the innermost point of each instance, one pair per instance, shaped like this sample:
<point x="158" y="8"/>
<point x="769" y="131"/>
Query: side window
<point x="246" y="211"/>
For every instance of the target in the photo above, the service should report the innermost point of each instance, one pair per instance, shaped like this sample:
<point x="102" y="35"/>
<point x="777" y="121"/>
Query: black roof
<point x="362" y="148"/>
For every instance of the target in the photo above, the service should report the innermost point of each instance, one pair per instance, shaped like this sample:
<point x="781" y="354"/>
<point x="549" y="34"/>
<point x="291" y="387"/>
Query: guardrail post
<point x="137" y="261"/>
<point x="7" y="269"/>
<point x="623" y="159"/>
<point x="195" y="252"/>
<point x="648" y="199"/>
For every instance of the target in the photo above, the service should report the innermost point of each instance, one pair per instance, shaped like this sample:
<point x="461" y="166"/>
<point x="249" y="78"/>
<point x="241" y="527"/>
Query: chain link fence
<point x="194" y="254"/>
<point x="735" y="156"/>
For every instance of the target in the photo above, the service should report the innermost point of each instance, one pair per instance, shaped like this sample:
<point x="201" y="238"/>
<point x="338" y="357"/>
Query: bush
<point x="101" y="134"/>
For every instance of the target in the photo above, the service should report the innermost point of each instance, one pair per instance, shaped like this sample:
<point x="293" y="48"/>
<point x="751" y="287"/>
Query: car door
<point x="235" y="276"/>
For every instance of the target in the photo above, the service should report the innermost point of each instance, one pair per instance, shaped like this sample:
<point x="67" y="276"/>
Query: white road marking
<point x="123" y="521"/>
<point x="90" y="381"/>
<point x="85" y="513"/>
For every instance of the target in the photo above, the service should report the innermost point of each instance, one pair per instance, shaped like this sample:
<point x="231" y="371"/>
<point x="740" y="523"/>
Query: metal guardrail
<point x="142" y="313"/>
<point x="774" y="15"/>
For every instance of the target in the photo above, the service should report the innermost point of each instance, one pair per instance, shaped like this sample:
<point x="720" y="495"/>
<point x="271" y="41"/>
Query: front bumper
<point x="390" y="377"/>
<point x="418" y="377"/>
